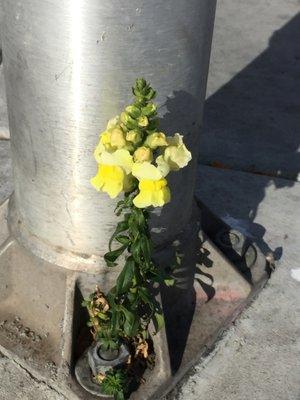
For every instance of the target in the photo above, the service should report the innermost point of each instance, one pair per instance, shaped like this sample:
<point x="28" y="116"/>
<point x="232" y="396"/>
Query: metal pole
<point x="69" y="66"/>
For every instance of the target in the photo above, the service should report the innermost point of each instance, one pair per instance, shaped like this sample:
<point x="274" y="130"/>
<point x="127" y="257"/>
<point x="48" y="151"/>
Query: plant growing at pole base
<point x="134" y="158"/>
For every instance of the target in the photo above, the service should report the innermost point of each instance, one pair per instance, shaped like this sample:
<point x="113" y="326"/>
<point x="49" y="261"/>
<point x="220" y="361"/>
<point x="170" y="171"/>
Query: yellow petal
<point x="97" y="181"/>
<point x="120" y="158"/>
<point x="176" y="154"/>
<point x="98" y="151"/>
<point x="162" y="165"/>
<point x="113" y="188"/>
<point x="143" y="199"/>
<point x="113" y="122"/>
<point x="161" y="197"/>
<point x="152" y="193"/>
<point x="105" y="137"/>
<point x="109" y="179"/>
<point x="146" y="170"/>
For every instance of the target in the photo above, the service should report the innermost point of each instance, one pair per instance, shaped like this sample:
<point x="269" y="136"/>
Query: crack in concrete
<point x="32" y="376"/>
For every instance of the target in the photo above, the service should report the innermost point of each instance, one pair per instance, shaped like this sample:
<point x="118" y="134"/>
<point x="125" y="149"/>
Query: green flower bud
<point x="129" y="122"/>
<point x="151" y="94"/>
<point x="133" y="111"/>
<point x="140" y="83"/>
<point x="149" y="110"/>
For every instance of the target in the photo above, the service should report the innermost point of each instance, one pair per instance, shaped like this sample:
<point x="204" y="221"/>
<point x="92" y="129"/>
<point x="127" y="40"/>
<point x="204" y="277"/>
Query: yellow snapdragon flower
<point x="176" y="154"/>
<point x="114" y="171"/>
<point x="153" y="187"/>
<point x="152" y="193"/>
<point x="109" y="179"/>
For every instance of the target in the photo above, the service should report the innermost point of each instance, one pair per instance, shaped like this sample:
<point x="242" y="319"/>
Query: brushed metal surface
<point x="69" y="66"/>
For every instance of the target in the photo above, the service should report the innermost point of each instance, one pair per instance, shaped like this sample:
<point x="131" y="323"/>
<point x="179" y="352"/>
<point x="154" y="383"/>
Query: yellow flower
<point x="109" y="179"/>
<point x="142" y="154"/>
<point x="113" y="174"/>
<point x="176" y="154"/>
<point x="155" y="140"/>
<point x="152" y="193"/>
<point x="153" y="187"/>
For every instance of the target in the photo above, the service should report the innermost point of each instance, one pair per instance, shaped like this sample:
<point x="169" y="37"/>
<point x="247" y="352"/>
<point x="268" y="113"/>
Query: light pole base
<point x="43" y="325"/>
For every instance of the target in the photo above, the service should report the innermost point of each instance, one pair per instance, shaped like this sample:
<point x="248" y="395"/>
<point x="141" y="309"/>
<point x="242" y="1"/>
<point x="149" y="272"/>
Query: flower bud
<point x="117" y="138"/>
<point x="133" y="136"/>
<point x="149" y="110"/>
<point x="142" y="154"/>
<point x="156" y="139"/>
<point x="143" y="121"/>
<point x="129" y="122"/>
<point x="133" y="111"/>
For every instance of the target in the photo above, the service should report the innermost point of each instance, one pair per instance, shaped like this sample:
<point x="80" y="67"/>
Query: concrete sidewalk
<point x="252" y="112"/>
<point x="259" y="357"/>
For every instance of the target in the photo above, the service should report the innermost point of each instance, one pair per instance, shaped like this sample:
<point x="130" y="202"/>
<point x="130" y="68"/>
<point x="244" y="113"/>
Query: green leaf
<point x="158" y="321"/>
<point x="169" y="282"/>
<point x="111" y="256"/>
<point x="115" y="321"/>
<point x="123" y="239"/>
<point x="119" y="396"/>
<point x="126" y="275"/>
<point x="135" y="251"/>
<point x="140" y="218"/>
<point x="121" y="227"/>
<point x="131" y="327"/>
<point x="145" y="247"/>
<point x="145" y="295"/>
<point x="119" y="204"/>
<point x="130" y="321"/>
<point x="103" y="316"/>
